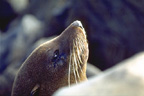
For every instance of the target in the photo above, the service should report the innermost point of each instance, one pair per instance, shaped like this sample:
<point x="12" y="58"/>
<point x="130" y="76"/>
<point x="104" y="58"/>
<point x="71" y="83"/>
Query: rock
<point x="14" y="47"/>
<point x="92" y="70"/>
<point x="14" y="43"/>
<point x="53" y="13"/>
<point x="125" y="79"/>
<point x="19" y="6"/>
<point x="7" y="15"/>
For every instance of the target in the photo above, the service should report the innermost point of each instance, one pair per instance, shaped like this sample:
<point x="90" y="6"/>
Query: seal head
<point x="55" y="63"/>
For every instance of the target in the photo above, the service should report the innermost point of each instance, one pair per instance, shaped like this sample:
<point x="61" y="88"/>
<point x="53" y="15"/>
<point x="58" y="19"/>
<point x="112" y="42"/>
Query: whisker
<point x="78" y="55"/>
<point x="76" y="65"/>
<point x="69" y="70"/>
<point x="73" y="65"/>
<point x="79" y="58"/>
<point x="79" y="45"/>
<point x="80" y="66"/>
<point x="74" y="73"/>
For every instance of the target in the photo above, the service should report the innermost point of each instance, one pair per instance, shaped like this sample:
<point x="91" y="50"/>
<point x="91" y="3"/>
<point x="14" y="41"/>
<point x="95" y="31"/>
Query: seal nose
<point x="77" y="23"/>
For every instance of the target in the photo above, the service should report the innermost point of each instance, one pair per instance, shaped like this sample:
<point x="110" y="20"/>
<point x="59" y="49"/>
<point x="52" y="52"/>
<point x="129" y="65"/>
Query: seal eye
<point x="55" y="56"/>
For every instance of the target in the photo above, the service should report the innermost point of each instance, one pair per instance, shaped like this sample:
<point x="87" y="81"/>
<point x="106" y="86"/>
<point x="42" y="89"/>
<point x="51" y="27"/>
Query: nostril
<point x="81" y="27"/>
<point x="77" y="23"/>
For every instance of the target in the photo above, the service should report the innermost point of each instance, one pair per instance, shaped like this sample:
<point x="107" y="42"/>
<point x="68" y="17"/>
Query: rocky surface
<point x="114" y="30"/>
<point x="14" y="48"/>
<point x="6" y="16"/>
<point x="92" y="70"/>
<point x="125" y="79"/>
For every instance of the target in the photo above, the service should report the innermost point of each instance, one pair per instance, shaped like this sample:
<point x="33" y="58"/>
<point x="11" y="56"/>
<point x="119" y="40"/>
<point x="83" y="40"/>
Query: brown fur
<point x="38" y="68"/>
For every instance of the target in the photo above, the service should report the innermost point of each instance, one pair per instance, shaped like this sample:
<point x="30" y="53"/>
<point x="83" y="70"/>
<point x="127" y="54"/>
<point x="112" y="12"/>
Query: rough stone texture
<point x="125" y="79"/>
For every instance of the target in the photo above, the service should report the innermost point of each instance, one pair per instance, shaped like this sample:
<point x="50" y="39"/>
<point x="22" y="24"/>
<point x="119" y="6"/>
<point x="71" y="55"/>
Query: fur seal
<point x="56" y="63"/>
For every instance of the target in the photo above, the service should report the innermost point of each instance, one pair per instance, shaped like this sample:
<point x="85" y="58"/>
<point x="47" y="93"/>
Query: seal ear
<point x="35" y="91"/>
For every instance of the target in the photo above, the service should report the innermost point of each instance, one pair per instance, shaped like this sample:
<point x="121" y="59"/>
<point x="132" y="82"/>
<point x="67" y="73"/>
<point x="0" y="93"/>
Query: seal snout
<point x="77" y="23"/>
